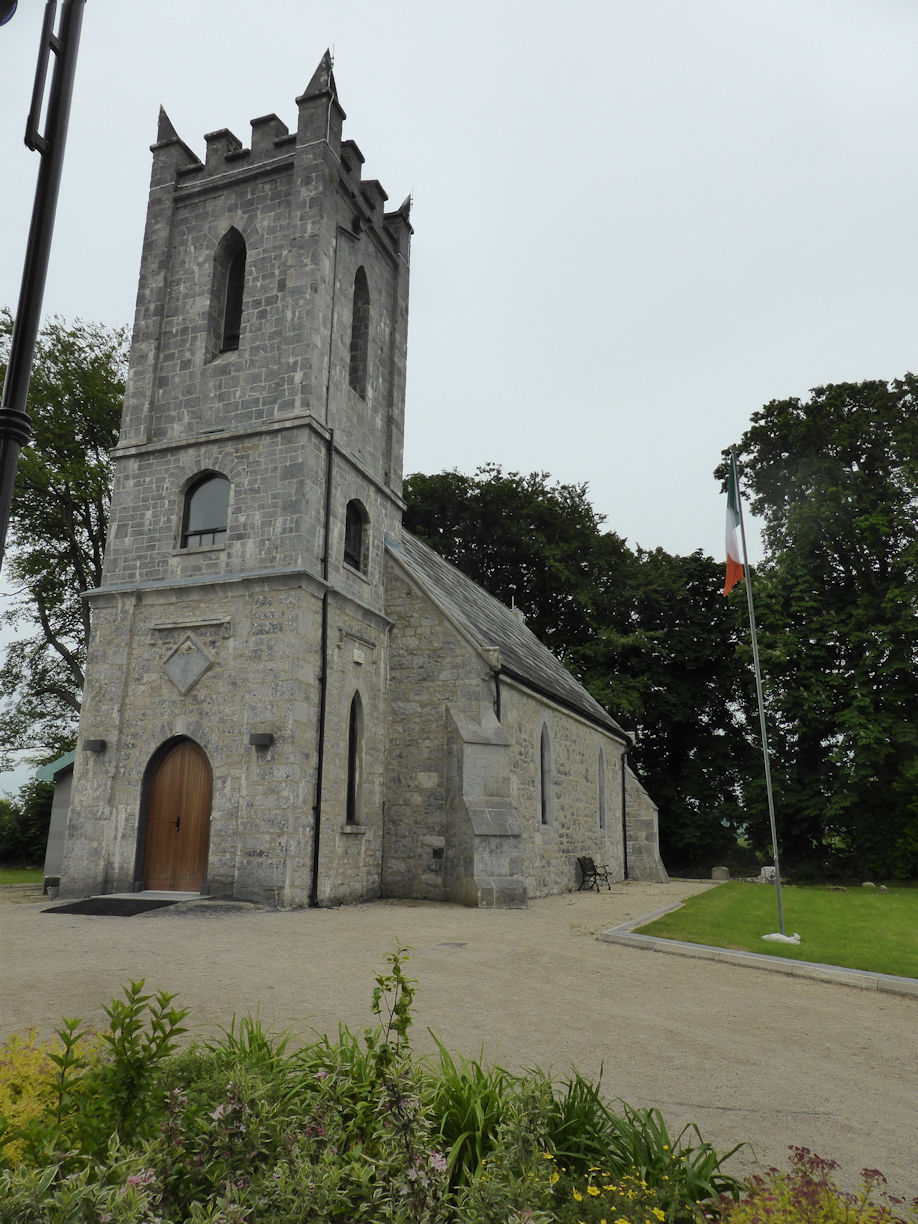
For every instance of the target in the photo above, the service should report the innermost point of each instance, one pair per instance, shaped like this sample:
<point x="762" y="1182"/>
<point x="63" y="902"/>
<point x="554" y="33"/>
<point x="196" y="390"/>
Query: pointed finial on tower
<point x="323" y="79"/>
<point x="165" y="130"/>
<point x="170" y="146"/>
<point x="321" y="114"/>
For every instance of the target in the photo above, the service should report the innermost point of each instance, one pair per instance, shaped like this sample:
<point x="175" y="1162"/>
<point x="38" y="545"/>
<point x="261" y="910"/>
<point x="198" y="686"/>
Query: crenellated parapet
<point x="319" y="123"/>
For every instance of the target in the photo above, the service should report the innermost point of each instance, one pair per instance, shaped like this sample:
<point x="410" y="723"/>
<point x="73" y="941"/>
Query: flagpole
<point x="758" y="689"/>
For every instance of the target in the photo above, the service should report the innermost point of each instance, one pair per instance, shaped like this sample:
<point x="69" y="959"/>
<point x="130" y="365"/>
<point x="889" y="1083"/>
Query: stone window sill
<point x="352" y="828"/>
<point x="196" y="551"/>
<point x="356" y="573"/>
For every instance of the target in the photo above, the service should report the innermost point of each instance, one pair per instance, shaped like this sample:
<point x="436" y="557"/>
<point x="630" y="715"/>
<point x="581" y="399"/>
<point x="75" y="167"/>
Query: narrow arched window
<point x="227" y="292"/>
<point x="354" y="760"/>
<point x="232" y="312"/>
<point x="601" y="798"/>
<point x="545" y="776"/>
<point x="360" y="334"/>
<point x="206" y="512"/>
<point x="355" y="536"/>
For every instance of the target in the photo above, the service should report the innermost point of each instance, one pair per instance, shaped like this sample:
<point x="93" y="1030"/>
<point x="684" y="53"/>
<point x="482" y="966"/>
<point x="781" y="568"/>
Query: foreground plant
<point x="246" y="1129"/>
<point x="27" y="1087"/>
<point x="596" y="1197"/>
<point x="469" y="1102"/>
<point x="807" y="1192"/>
<point x="585" y="1132"/>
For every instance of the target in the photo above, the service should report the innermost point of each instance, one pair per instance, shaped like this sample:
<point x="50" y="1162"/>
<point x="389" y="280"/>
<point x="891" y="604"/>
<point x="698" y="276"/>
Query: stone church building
<point x="289" y="699"/>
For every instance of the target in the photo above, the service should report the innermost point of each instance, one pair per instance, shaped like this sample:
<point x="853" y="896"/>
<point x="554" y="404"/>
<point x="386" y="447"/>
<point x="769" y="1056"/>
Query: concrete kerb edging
<point x="624" y="934"/>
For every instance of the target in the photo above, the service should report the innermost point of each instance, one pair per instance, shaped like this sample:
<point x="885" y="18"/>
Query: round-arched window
<point x="206" y="512"/>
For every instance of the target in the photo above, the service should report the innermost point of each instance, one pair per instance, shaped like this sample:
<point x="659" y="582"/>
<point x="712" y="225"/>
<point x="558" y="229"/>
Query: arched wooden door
<point x="178" y="820"/>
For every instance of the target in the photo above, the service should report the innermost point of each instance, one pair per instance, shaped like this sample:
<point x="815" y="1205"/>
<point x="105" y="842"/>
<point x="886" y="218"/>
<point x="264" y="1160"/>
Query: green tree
<point x="835" y="481"/>
<point x="530" y="543"/>
<point x="57" y="529"/>
<point x="24" y="823"/>
<point x="693" y="752"/>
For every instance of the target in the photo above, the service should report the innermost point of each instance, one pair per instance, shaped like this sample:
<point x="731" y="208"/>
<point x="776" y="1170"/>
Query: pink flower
<point x="144" y="1178"/>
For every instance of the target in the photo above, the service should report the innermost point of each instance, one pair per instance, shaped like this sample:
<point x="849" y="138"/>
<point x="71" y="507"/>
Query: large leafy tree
<point x="835" y="481"/>
<point x="693" y="749"/>
<point x="529" y="542"/>
<point x="57" y="529"/>
<point x="648" y="634"/>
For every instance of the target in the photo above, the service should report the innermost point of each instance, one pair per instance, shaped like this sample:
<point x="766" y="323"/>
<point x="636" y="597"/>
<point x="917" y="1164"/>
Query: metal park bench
<point x="592" y="875"/>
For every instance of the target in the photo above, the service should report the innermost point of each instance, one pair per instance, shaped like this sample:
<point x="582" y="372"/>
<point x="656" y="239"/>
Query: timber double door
<point x="178" y="820"/>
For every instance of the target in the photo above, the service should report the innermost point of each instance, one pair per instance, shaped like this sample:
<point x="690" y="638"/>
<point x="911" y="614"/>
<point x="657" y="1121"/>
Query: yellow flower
<point x="555" y="1176"/>
<point x="594" y="1190"/>
<point x="577" y="1195"/>
<point x="661" y="1215"/>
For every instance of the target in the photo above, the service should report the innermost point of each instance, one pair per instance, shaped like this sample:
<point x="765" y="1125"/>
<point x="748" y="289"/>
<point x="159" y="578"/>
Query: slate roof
<point x="489" y="623"/>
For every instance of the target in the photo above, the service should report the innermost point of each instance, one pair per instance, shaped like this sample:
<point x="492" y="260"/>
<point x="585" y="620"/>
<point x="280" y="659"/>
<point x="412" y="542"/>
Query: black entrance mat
<point x="110" y="907"/>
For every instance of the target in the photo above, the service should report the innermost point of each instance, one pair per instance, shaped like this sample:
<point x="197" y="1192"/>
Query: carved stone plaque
<point x="187" y="663"/>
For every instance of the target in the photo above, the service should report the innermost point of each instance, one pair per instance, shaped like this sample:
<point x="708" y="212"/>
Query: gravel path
<point x="747" y="1055"/>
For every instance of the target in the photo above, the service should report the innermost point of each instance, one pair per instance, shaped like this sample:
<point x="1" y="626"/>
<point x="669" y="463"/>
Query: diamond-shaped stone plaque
<point x="187" y="663"/>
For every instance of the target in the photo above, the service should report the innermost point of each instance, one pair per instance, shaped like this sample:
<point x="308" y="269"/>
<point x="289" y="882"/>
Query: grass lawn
<point x="20" y="875"/>
<point x="860" y="928"/>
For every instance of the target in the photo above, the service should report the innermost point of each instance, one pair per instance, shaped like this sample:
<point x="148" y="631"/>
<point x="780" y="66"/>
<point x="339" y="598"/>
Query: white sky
<point x="635" y="223"/>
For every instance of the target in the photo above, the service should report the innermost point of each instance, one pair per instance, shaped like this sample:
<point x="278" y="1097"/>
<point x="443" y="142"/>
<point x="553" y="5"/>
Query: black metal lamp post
<point x="15" y="425"/>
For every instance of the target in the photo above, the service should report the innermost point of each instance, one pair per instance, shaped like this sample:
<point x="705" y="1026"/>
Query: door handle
<point x="178" y="823"/>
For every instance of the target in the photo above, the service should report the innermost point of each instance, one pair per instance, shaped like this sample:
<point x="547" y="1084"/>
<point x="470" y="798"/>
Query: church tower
<point x="233" y="732"/>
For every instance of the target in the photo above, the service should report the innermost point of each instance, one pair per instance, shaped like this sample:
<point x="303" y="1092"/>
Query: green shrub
<point x="584" y="1132"/>
<point x="27" y="1079"/>
<point x="469" y="1102"/>
<point x="596" y="1197"/>
<point x="118" y="1190"/>
<point x="335" y="1131"/>
<point x="98" y="1085"/>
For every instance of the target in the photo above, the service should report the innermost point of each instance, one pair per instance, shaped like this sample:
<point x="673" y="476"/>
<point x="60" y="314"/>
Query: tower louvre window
<point x="206" y="513"/>
<point x="360" y="334"/>
<point x="232" y="315"/>
<point x="227" y="293"/>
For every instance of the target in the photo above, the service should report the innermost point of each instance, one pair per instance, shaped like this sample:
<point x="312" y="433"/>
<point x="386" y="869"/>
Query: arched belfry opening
<point x="227" y="293"/>
<point x="175" y="818"/>
<point x="360" y="334"/>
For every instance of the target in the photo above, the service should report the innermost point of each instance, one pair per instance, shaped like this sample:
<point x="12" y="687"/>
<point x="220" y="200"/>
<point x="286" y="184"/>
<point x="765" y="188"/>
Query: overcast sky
<point x="635" y="223"/>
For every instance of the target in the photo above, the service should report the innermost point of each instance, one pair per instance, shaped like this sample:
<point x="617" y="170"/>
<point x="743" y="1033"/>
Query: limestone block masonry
<point x="299" y="704"/>
<point x="270" y="625"/>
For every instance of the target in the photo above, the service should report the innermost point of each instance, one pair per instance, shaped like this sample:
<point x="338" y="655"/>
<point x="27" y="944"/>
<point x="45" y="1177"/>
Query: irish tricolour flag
<point x="734" y="564"/>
